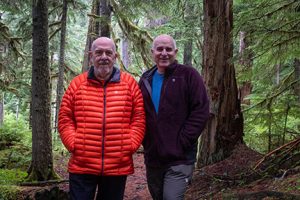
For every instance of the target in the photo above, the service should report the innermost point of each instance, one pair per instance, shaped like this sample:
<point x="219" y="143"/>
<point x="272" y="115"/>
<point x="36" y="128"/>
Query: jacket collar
<point x="115" y="76"/>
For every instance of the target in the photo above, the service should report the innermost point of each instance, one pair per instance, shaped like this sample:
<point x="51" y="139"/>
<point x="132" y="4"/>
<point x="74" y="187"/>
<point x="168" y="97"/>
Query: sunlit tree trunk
<point x="61" y="66"/>
<point x="225" y="126"/>
<point x="42" y="162"/>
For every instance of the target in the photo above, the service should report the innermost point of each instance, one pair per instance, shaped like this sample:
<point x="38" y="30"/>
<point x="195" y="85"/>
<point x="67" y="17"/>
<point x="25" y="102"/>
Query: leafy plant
<point x="14" y="131"/>
<point x="8" y="178"/>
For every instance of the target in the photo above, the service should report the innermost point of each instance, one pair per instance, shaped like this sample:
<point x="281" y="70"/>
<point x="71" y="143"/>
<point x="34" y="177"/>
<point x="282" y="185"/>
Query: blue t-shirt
<point x="157" y="82"/>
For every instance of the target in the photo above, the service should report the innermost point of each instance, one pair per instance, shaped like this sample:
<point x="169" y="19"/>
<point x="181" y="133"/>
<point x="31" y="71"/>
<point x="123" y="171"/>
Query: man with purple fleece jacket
<point x="177" y="109"/>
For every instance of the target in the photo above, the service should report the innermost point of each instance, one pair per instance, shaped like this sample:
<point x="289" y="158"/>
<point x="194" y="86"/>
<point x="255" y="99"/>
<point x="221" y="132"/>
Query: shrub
<point x="13" y="131"/>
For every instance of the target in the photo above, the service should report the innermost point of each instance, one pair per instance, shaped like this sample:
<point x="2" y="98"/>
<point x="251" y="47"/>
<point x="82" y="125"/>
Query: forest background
<point x="247" y="51"/>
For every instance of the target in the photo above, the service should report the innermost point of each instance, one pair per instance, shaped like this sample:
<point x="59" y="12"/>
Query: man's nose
<point x="164" y="52"/>
<point x="103" y="55"/>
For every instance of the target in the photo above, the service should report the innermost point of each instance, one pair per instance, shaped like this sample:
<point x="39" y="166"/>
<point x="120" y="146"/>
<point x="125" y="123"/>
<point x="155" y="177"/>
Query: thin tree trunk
<point x="188" y="44"/>
<point x="277" y="80"/>
<point x="285" y="123"/>
<point x="125" y="52"/>
<point x="17" y="110"/>
<point x="92" y="34"/>
<point x="225" y="126"/>
<point x="42" y="161"/>
<point x="1" y="109"/>
<point x="270" y="116"/>
<point x="297" y="77"/>
<point x="188" y="52"/>
<point x="246" y="63"/>
<point x="105" y="14"/>
<point x="61" y="66"/>
<point x="100" y="8"/>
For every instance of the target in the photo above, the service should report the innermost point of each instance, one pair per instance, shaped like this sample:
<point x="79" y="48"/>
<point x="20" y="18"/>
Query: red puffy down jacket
<point x="102" y="125"/>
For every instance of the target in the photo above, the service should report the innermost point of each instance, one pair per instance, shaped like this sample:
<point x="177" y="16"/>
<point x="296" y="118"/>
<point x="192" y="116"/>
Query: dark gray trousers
<point x="169" y="183"/>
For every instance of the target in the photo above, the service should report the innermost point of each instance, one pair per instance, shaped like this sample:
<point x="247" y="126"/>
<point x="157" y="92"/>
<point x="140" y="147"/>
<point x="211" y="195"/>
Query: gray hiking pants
<point x="169" y="183"/>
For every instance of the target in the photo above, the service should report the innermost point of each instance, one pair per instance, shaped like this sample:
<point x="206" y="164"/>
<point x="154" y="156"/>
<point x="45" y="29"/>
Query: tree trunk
<point x="100" y="8"/>
<point x="188" y="52"/>
<point x="225" y="126"/>
<point x="188" y="44"/>
<point x="125" y="52"/>
<point x="277" y="80"/>
<point x="105" y="14"/>
<point x="92" y="34"/>
<point x="246" y="63"/>
<point x="42" y="162"/>
<point x="1" y="109"/>
<point x="61" y="66"/>
<point x="297" y="77"/>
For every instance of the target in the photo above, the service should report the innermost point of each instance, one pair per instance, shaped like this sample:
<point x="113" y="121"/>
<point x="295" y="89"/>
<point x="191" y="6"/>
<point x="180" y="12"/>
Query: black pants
<point x="83" y="187"/>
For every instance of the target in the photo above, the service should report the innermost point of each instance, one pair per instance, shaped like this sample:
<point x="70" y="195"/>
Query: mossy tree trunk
<point x="245" y="61"/>
<point x="61" y="66"/>
<point x="225" y="126"/>
<point x="99" y="25"/>
<point x="42" y="161"/>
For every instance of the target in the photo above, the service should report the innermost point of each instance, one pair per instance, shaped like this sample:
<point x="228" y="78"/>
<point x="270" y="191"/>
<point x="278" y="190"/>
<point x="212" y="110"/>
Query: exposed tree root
<point x="43" y="183"/>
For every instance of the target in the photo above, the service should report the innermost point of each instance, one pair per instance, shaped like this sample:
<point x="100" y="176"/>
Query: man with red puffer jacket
<point x="101" y="122"/>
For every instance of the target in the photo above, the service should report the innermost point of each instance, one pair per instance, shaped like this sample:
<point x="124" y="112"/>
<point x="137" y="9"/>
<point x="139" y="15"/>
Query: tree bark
<point x="246" y="63"/>
<point x="1" y="109"/>
<point x="91" y="35"/>
<point x="225" y="127"/>
<point x="297" y="77"/>
<point x="42" y="160"/>
<point x="188" y="44"/>
<point x="125" y="52"/>
<point x="61" y="66"/>
<point x="105" y="14"/>
<point x="100" y="8"/>
<point x="188" y="52"/>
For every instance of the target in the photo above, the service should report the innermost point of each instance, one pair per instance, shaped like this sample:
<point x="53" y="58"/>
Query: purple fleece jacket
<point x="172" y="134"/>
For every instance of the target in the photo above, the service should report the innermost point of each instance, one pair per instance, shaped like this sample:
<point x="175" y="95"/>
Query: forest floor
<point x="211" y="182"/>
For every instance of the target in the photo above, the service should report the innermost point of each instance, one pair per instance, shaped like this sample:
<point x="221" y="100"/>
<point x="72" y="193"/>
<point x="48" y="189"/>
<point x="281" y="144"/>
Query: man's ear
<point x="90" y="54"/>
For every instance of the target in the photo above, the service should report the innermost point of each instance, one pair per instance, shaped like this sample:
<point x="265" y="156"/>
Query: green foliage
<point x="272" y="44"/>
<point x="8" y="179"/>
<point x="15" y="140"/>
<point x="15" y="157"/>
<point x="14" y="131"/>
<point x="11" y="176"/>
<point x="8" y="192"/>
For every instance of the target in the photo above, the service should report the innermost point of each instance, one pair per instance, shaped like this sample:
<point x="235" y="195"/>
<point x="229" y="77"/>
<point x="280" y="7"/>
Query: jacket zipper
<point x="103" y="127"/>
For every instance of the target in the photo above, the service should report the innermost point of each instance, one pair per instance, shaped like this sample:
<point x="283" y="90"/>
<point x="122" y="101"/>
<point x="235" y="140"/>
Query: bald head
<point x="163" y="37"/>
<point x="103" y="41"/>
<point x="163" y="52"/>
<point x="103" y="56"/>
